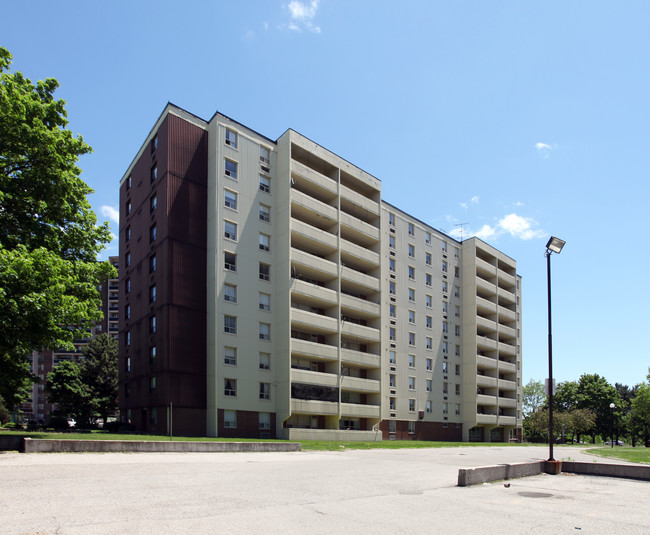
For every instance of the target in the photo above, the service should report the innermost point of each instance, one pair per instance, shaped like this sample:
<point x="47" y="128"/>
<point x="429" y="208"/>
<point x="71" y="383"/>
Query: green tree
<point x="4" y="413"/>
<point x="99" y="372"/>
<point x="49" y="237"/>
<point x="596" y="394"/>
<point x="533" y="397"/>
<point x="583" y="422"/>
<point x="65" y="387"/>
<point x="640" y="412"/>
<point x="566" y="396"/>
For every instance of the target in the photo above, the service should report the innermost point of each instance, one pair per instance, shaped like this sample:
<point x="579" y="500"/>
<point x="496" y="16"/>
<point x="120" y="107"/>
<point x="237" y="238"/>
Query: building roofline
<point x="420" y="221"/>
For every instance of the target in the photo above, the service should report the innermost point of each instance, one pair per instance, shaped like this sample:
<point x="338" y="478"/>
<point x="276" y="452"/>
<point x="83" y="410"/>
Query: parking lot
<point x="353" y="491"/>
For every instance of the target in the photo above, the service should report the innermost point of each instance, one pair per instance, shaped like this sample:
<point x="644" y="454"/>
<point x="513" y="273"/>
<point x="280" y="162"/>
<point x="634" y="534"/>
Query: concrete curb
<point x="486" y="474"/>
<point x="141" y="446"/>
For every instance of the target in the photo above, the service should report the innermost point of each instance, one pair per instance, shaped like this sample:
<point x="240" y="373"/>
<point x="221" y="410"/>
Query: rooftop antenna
<point x="462" y="229"/>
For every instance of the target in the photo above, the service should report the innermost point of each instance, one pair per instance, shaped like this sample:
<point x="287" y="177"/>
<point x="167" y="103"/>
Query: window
<point x="427" y="258"/>
<point x="429" y="385"/>
<point x="445" y="387"/>
<point x="412" y="295"/>
<point x="230" y="324"/>
<point x="231" y="138"/>
<point x="230" y="356"/>
<point x="265" y="331"/>
<point x="457" y="350"/>
<point x="391" y="334"/>
<point x="429" y="322"/>
<point x="445" y="408"/>
<point x="392" y="426"/>
<point x="127" y="312"/>
<point x="265" y="420"/>
<point x="127" y="285"/>
<point x="152" y="354"/>
<point x="231" y="169"/>
<point x="127" y="364"/>
<point x="429" y="344"/>
<point x="457" y="389"/>
<point x="445" y="327"/>
<point x="265" y="242"/>
<point x="444" y="307"/>
<point x="411" y="251"/>
<point x="457" y="369"/>
<point x="152" y="383"/>
<point x="265" y="361"/>
<point x="154" y="143"/>
<point x="265" y="184"/>
<point x="411" y="229"/>
<point x="445" y="287"/>
<point x="427" y="238"/>
<point x="411" y="339"/>
<point x="391" y="264"/>
<point x="391" y="242"/>
<point x="429" y="407"/>
<point x="128" y="259"/>
<point x="265" y="155"/>
<point x="230" y="199"/>
<point x="152" y="264"/>
<point x="456" y="252"/>
<point x="264" y="271"/>
<point x="429" y="365"/>
<point x="230" y="261"/>
<point x="152" y="294"/>
<point x="230" y="230"/>
<point x="428" y="279"/>
<point x="457" y="291"/>
<point x="456" y="271"/>
<point x="265" y="213"/>
<point x="392" y="357"/>
<point x="230" y="419"/>
<point x="230" y="387"/>
<point x="457" y="330"/>
<point x="153" y="416"/>
<point x="457" y="408"/>
<point x="411" y="383"/>
<point x="412" y="316"/>
<point x="127" y="233"/>
<point x="457" y="313"/>
<point x="411" y="273"/>
<point x="230" y="293"/>
<point x="128" y="208"/>
<point x="444" y="246"/>
<point x="152" y="324"/>
<point x="411" y="361"/>
<point x="391" y="218"/>
<point x="153" y="233"/>
<point x="391" y="287"/>
<point x="393" y="404"/>
<point x="411" y="405"/>
<point x="445" y="346"/>
<point x="444" y="266"/>
<point x="445" y="367"/>
<point x="153" y="203"/>
<point x="265" y="390"/>
<point x="128" y="338"/>
<point x="154" y="173"/>
<point x="129" y="181"/>
<point x="393" y="380"/>
<point x="428" y="301"/>
<point x="393" y="310"/>
<point x="264" y="301"/>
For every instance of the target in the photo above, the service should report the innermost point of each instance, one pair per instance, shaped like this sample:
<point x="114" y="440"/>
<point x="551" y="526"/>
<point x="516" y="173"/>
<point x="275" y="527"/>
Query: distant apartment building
<point x="37" y="407"/>
<point x="268" y="291"/>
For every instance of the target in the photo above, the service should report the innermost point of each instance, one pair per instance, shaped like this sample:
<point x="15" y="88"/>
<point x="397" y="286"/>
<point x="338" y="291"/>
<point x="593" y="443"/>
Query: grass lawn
<point x="626" y="453"/>
<point x="307" y="445"/>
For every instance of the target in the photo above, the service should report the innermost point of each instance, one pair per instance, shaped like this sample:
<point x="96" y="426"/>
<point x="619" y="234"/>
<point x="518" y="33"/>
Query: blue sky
<point x="516" y="120"/>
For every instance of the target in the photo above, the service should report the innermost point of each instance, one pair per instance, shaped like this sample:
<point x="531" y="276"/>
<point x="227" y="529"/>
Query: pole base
<point x="553" y="467"/>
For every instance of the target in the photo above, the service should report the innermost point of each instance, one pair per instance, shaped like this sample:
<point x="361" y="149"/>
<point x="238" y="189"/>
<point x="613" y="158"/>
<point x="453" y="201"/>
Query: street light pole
<point x="554" y="245"/>
<point x="612" y="406"/>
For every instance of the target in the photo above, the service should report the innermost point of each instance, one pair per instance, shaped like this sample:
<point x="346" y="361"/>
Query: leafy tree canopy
<point x="49" y="237"/>
<point x="99" y="372"/>
<point x="533" y="397"/>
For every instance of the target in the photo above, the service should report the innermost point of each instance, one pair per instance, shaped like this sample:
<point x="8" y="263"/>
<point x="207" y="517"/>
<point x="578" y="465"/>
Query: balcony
<point x="315" y="323"/>
<point x="362" y="307"/>
<point x="307" y="208"/>
<point x="487" y="363"/>
<point x="314" y="294"/>
<point x="307" y="237"/>
<point x="360" y="279"/>
<point x="485" y="343"/>
<point x="507" y="332"/>
<point x="313" y="350"/>
<point x="358" y="384"/>
<point x="485" y="269"/>
<point x="483" y="399"/>
<point x="485" y="307"/>
<point x="508" y="403"/>
<point x="359" y="358"/>
<point x="484" y="380"/>
<point x="507" y="367"/>
<point x="506" y="315"/>
<point x="313" y="378"/>
<point x="360" y="331"/>
<point x="486" y="419"/>
<point x="507" y="420"/>
<point x="507" y="349"/>
<point x="506" y="281"/>
<point x="486" y="324"/>
<point x="506" y="297"/>
<point x="305" y="406"/>
<point x="487" y="287"/>
<point x="507" y="385"/>
<point x="313" y="180"/>
<point x="359" y="200"/>
<point x="358" y="231"/>
<point x="359" y="411"/>
<point x="313" y="265"/>
<point x="362" y="257"/>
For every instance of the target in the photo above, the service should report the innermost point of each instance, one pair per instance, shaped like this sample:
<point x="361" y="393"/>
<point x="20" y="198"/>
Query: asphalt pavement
<point x="349" y="491"/>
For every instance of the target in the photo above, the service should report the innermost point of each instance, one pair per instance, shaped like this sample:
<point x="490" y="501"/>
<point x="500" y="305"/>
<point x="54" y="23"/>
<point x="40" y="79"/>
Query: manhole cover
<point x="535" y="494"/>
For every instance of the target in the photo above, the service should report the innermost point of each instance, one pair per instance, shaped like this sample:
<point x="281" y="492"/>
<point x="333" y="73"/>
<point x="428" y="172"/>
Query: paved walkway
<point x="376" y="491"/>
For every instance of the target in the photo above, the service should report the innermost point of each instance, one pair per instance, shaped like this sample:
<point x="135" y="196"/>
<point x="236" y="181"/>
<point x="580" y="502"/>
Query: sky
<point x="507" y="120"/>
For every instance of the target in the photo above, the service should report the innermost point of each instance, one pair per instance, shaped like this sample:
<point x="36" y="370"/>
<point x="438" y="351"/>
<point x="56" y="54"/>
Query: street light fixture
<point x="612" y="406"/>
<point x="554" y="245"/>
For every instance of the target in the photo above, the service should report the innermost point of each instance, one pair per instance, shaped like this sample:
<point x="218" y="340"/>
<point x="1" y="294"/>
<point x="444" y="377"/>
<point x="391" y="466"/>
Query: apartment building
<point x="269" y="292"/>
<point x="38" y="408"/>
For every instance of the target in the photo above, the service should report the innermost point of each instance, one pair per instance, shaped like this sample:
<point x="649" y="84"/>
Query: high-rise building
<point x="268" y="291"/>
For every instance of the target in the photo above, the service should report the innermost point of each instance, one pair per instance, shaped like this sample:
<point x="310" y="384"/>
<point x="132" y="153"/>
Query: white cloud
<point x="473" y="200"/>
<point x="112" y="213"/>
<point x="302" y="15"/>
<point x="523" y="228"/>
<point x="543" y="149"/>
